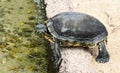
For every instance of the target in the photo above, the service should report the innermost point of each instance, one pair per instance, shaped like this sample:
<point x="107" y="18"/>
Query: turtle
<point x="75" y="29"/>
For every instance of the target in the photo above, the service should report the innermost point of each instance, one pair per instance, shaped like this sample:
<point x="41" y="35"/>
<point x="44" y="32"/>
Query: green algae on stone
<point x="21" y="50"/>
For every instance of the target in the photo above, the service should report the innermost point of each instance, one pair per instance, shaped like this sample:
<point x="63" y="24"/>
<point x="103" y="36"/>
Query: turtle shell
<point x="76" y="27"/>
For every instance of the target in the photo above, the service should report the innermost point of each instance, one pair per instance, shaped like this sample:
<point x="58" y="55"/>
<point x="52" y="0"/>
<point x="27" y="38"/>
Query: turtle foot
<point x="40" y="28"/>
<point x="103" y="59"/>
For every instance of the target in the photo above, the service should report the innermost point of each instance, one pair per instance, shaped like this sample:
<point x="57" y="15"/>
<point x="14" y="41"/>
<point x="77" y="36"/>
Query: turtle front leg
<point x="103" y="55"/>
<point x="57" y="54"/>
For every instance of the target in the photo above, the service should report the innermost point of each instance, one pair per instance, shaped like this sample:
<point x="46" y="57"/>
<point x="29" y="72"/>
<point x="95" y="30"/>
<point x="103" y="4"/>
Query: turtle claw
<point x="38" y="32"/>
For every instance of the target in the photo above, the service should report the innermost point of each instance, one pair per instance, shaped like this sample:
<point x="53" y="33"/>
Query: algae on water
<point x="21" y="50"/>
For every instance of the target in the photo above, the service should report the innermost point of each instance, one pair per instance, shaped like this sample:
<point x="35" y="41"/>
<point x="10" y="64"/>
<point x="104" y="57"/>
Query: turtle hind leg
<point x="103" y="55"/>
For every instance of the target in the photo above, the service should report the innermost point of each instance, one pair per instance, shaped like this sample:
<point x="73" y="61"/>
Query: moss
<point x="21" y="50"/>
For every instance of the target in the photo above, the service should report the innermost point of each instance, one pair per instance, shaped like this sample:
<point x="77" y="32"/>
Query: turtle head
<point x="40" y="28"/>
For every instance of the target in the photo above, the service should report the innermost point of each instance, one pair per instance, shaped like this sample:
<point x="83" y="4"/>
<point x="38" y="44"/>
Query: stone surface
<point x="107" y="11"/>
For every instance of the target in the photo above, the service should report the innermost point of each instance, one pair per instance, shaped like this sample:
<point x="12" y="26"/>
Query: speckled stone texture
<point x="108" y="12"/>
